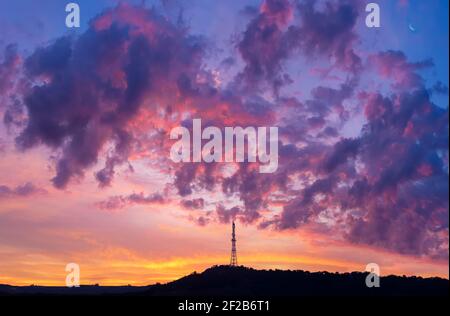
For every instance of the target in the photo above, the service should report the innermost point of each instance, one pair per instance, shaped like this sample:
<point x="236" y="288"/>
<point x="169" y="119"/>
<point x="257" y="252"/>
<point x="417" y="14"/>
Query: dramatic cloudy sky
<point x="85" y="173"/>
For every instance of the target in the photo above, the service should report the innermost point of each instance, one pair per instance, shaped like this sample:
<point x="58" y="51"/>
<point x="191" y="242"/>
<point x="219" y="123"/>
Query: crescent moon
<point x="411" y="28"/>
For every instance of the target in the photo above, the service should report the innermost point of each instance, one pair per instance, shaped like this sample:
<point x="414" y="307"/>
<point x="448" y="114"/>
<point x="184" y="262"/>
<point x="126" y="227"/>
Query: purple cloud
<point x="23" y="190"/>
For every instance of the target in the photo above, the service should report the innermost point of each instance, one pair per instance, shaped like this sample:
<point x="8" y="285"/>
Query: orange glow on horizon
<point x="140" y="272"/>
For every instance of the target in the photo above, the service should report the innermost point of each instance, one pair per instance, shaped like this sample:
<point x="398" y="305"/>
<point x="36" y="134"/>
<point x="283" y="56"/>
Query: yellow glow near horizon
<point x="145" y="272"/>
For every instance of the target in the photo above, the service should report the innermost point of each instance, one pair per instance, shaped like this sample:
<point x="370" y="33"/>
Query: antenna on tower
<point x="233" y="260"/>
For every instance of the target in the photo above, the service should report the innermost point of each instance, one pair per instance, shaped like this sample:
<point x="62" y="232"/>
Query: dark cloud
<point x="225" y="215"/>
<point x="202" y="220"/>
<point x="95" y="85"/>
<point x="329" y="31"/>
<point x="184" y="178"/>
<point x="23" y="190"/>
<point x="194" y="204"/>
<point x="253" y="189"/>
<point x="390" y="183"/>
<point x="118" y="156"/>
<point x="283" y="28"/>
<point x="14" y="115"/>
<point x="414" y="221"/>
<point x="264" y="46"/>
<point x="9" y="65"/>
<point x="300" y="209"/>
<point x="395" y="66"/>
<point x="328" y="101"/>
<point x="341" y="152"/>
<point x="440" y="88"/>
<point x="121" y="201"/>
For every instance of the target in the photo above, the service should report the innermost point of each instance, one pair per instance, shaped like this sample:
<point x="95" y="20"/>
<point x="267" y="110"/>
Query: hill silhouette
<point x="243" y="281"/>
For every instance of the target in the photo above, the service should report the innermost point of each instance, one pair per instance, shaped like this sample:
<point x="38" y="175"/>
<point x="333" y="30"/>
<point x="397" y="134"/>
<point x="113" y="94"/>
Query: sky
<point x="85" y="169"/>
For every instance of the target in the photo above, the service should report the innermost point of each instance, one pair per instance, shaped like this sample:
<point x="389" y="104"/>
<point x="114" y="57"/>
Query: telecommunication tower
<point x="233" y="260"/>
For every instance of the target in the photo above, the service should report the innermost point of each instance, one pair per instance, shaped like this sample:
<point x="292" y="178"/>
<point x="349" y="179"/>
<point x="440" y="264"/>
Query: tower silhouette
<point x="233" y="260"/>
